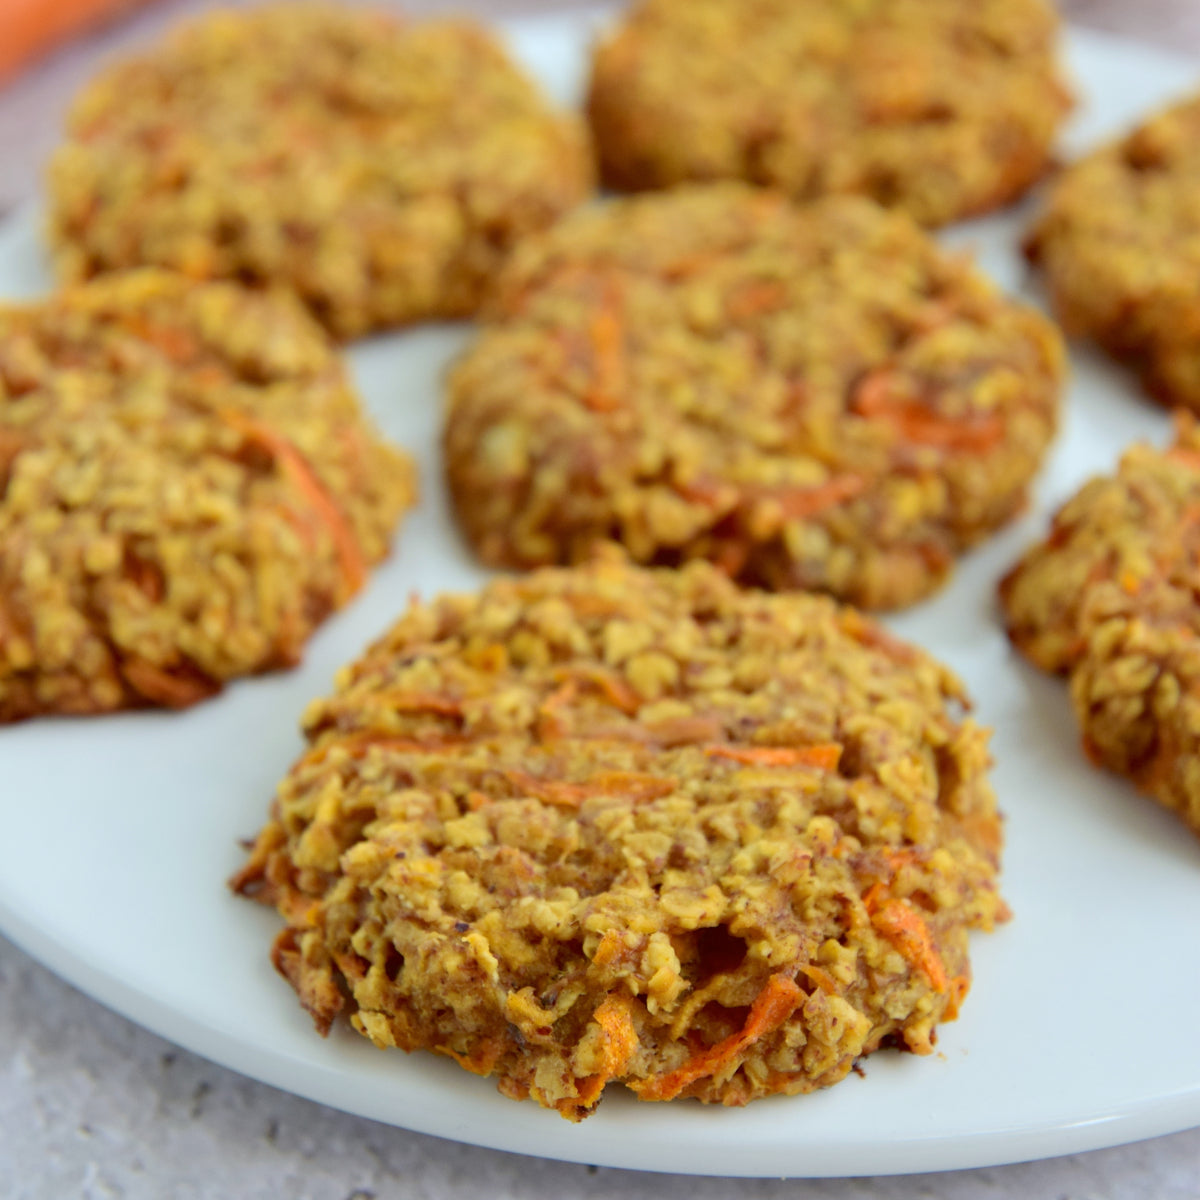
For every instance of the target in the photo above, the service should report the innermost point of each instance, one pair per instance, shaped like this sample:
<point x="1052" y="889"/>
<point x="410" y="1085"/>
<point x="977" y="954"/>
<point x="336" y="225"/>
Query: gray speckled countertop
<point x="95" y="1107"/>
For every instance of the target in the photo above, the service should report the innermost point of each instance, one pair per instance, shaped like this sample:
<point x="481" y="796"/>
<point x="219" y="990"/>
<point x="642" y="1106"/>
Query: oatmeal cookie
<point x="1119" y="243"/>
<point x="612" y="824"/>
<point x="942" y="108"/>
<point x="1141" y="523"/>
<point x="1136" y="686"/>
<point x="187" y="487"/>
<point x="380" y="169"/>
<point x="814" y="398"/>
<point x="1112" y="598"/>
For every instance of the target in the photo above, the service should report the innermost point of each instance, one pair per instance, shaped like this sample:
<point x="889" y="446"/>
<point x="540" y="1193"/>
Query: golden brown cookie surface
<point x="382" y="170"/>
<point x="938" y="107"/>
<point x="1136" y="525"/>
<point x="606" y="824"/>
<point x="1119" y="243"/>
<point x="1110" y="599"/>
<point x="1136" y="688"/>
<point x="187" y="487"/>
<point x="813" y="398"/>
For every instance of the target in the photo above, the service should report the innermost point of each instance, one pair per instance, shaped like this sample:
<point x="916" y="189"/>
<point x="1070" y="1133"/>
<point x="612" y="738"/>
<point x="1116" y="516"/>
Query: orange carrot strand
<point x="825" y="756"/>
<point x="772" y="1006"/>
<point x="304" y="480"/>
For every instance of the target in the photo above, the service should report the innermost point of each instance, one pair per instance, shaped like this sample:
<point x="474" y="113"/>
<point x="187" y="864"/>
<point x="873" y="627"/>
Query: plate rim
<point x="1111" y="1126"/>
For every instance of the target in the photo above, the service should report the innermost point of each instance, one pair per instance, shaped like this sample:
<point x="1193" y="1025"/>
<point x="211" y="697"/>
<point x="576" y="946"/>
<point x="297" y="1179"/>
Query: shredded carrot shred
<point x="682" y="731"/>
<point x="675" y="731"/>
<point x="609" y="947"/>
<point x="704" y="490"/>
<point x="867" y="633"/>
<point x="896" y="859"/>
<point x="607" y="338"/>
<point x="422" y="702"/>
<point x="916" y="422"/>
<point x="820" y="977"/>
<point x="689" y="264"/>
<point x="772" y="1006"/>
<point x="588" y="604"/>
<point x="798" y="503"/>
<point x="613" y="687"/>
<point x="960" y="985"/>
<point x="207" y="376"/>
<point x="550" y="723"/>
<point x="304" y="480"/>
<point x="756" y="297"/>
<point x="906" y="930"/>
<point x="161" y="686"/>
<point x="1184" y="457"/>
<point x="563" y="794"/>
<point x="825" y="756"/>
<point x="177" y="344"/>
<point x="359" y="744"/>
<point x="620" y="1041"/>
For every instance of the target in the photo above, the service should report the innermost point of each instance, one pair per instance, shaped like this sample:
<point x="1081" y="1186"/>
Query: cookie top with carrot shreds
<point x="1118" y="242"/>
<point x="380" y="168"/>
<point x="812" y="397"/>
<point x="187" y="487"/>
<point x="1109" y="597"/>
<point x="940" y="108"/>
<point x="610" y="824"/>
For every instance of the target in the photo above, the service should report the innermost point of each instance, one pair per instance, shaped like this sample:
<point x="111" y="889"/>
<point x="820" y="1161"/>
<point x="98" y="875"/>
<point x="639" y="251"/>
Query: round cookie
<point x="1136" y="686"/>
<point x="1118" y="241"/>
<point x="942" y="108"/>
<point x="380" y="169"/>
<point x="1110" y="598"/>
<point x="1140" y="525"/>
<point x="187" y="488"/>
<point x="610" y="824"/>
<point x="813" y="398"/>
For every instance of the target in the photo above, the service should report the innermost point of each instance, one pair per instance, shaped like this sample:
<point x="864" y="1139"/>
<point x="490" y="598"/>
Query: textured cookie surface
<point x="1110" y="598"/>
<point x="813" y="398"/>
<point x="187" y="487"/>
<point x="938" y="107"/>
<point x="1119" y="244"/>
<point x="607" y="823"/>
<point x="1139" y="524"/>
<point x="1136" y="688"/>
<point x="381" y="170"/>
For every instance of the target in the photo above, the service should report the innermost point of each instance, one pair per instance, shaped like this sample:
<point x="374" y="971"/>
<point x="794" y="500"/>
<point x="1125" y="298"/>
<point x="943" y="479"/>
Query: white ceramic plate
<point x="116" y="836"/>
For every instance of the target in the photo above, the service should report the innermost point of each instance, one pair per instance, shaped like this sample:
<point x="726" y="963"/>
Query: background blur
<point x="33" y="99"/>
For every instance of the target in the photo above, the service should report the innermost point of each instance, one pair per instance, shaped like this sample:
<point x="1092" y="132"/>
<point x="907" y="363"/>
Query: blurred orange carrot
<point x="296" y="469"/>
<point x="29" y="28"/>
<point x="826" y="756"/>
